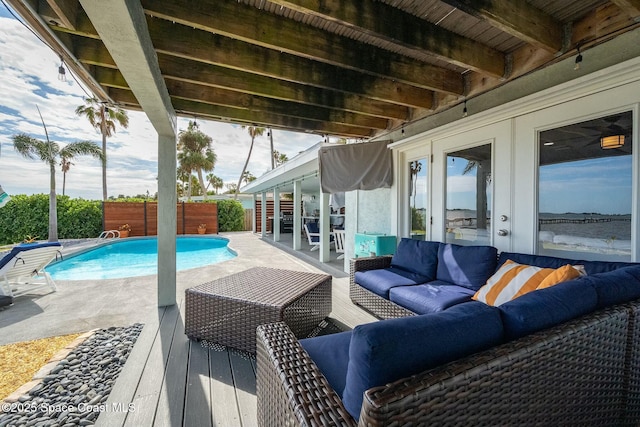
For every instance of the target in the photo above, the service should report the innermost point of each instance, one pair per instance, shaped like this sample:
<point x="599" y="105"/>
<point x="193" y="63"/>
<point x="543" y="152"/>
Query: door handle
<point x="503" y="232"/>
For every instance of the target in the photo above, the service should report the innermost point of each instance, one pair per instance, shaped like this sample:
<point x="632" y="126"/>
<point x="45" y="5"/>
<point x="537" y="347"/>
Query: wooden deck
<point x="169" y="380"/>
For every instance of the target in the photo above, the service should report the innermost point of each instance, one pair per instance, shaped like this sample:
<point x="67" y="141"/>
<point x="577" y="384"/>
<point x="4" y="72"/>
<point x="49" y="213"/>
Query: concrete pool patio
<point x="79" y="306"/>
<point x="168" y="379"/>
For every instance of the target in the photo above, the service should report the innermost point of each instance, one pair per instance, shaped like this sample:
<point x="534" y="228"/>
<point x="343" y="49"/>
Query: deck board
<point x="173" y="381"/>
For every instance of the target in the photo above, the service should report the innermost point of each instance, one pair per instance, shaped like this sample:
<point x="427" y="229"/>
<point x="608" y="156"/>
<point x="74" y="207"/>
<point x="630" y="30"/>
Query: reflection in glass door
<point x="469" y="190"/>
<point x="418" y="198"/>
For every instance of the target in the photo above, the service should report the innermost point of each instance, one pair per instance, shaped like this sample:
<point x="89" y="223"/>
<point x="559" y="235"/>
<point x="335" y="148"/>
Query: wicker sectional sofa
<point x="565" y="355"/>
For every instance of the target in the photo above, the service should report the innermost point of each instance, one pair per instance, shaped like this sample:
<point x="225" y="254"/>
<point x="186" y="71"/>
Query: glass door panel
<point x="418" y="198"/>
<point x="469" y="196"/>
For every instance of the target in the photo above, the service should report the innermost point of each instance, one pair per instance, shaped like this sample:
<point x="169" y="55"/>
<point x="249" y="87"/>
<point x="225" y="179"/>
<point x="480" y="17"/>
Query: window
<point x="418" y="198"/>
<point x="468" y="204"/>
<point x="585" y="189"/>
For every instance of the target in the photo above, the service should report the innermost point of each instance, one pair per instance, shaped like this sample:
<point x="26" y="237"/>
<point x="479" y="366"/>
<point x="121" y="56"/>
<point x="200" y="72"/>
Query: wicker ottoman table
<point x="227" y="311"/>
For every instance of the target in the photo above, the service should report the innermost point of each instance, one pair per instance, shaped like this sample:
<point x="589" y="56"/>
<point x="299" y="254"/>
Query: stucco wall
<point x="368" y="211"/>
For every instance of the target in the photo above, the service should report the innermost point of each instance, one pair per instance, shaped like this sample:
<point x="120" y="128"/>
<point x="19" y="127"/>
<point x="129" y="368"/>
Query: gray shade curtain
<point x="349" y="167"/>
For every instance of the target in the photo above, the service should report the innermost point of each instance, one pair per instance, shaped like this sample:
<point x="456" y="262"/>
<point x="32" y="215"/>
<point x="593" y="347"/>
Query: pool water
<point x="138" y="257"/>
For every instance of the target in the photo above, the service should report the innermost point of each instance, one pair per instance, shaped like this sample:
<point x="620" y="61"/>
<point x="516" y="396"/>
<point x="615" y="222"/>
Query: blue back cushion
<point x="430" y="297"/>
<point x="591" y="267"/>
<point x="468" y="266"/>
<point x="330" y="353"/>
<point x="547" y="307"/>
<point x="388" y="350"/>
<point x="615" y="287"/>
<point x="417" y="256"/>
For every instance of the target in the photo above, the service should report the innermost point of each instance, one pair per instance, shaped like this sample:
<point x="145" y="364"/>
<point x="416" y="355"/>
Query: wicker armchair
<point x="583" y="372"/>
<point x="376" y="305"/>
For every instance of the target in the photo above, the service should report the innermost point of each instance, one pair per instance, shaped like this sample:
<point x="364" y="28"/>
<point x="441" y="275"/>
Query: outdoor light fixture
<point x="613" y="141"/>
<point x="465" y="112"/>
<point x="62" y="74"/>
<point x="578" y="59"/>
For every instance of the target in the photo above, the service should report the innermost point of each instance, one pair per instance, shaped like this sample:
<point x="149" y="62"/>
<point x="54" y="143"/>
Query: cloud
<point x="31" y="80"/>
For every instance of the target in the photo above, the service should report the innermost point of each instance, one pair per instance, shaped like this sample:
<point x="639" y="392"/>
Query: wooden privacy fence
<point x="143" y="217"/>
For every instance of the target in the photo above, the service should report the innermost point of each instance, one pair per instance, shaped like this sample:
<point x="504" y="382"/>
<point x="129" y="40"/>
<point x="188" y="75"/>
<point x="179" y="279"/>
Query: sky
<point x="29" y="71"/>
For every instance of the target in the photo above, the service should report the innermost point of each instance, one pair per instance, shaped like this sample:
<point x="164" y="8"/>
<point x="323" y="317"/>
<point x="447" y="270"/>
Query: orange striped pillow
<point x="562" y="274"/>
<point x="511" y="281"/>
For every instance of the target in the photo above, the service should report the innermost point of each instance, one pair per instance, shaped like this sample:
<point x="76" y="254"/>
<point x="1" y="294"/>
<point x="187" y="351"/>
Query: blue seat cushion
<point x="615" y="287"/>
<point x="468" y="266"/>
<point x="330" y="353"/>
<point x="547" y="307"/>
<point x="417" y="256"/>
<point x="430" y="297"/>
<point x="380" y="281"/>
<point x="388" y="350"/>
<point x="591" y="267"/>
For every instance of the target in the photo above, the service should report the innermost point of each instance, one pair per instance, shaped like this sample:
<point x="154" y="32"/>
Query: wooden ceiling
<point x="353" y="68"/>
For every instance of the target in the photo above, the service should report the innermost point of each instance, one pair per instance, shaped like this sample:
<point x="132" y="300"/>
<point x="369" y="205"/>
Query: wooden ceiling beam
<point x="198" y="45"/>
<point x="253" y="103"/>
<point x="66" y="11"/>
<point x="230" y="98"/>
<point x="398" y="27"/>
<point x="230" y="18"/>
<point x="630" y="7"/>
<point x="518" y="18"/>
<point x="212" y="75"/>
<point x="93" y="53"/>
<point x="217" y="112"/>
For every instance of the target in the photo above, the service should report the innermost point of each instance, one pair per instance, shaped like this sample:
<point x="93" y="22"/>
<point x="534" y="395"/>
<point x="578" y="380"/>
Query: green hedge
<point x="78" y="218"/>
<point x="230" y="215"/>
<point x="29" y="216"/>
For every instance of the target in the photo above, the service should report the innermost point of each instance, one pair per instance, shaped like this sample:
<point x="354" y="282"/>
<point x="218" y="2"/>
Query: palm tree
<point x="215" y="181"/>
<point x="103" y="119"/>
<point x="248" y="177"/>
<point x="253" y="132"/>
<point x="196" y="153"/>
<point x="273" y="152"/>
<point x="279" y="158"/>
<point x="49" y="152"/>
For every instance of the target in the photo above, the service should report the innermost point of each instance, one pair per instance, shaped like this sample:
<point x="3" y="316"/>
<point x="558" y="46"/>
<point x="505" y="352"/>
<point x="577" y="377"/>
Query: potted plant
<point x="124" y="230"/>
<point x="202" y="228"/>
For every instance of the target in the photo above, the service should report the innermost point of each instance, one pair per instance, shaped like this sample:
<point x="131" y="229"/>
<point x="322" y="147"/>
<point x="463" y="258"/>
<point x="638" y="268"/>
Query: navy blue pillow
<point x="617" y="286"/>
<point x="591" y="267"/>
<point x="418" y="256"/>
<point x="330" y="353"/>
<point x="547" y="307"/>
<point x="468" y="266"/>
<point x="388" y="350"/>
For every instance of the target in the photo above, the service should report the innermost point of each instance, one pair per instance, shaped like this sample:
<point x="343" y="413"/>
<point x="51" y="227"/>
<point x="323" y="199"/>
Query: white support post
<point x="297" y="215"/>
<point x="263" y="214"/>
<point x="324" y="228"/>
<point x="167" y="220"/>
<point x="276" y="215"/>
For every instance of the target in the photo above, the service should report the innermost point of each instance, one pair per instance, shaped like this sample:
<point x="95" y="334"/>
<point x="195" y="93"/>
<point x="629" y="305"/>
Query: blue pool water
<point x="138" y="257"/>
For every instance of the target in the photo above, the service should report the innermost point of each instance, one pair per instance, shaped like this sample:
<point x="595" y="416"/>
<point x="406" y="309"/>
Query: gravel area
<point x="75" y="391"/>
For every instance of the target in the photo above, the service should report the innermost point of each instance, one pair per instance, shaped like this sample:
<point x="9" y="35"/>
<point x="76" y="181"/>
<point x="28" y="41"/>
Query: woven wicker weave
<point x="228" y="310"/>
<point x="378" y="306"/>
<point x="583" y="372"/>
<point x="290" y="388"/>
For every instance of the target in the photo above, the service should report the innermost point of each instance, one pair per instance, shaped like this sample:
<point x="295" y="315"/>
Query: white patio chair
<point x="339" y="240"/>
<point x="22" y="269"/>
<point x="313" y="235"/>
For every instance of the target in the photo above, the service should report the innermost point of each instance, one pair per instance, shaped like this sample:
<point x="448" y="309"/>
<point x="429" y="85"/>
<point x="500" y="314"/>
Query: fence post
<point x="146" y="233"/>
<point x="183" y="218"/>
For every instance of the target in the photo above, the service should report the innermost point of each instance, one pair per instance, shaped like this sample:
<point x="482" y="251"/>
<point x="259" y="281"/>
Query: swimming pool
<point x="138" y="257"/>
